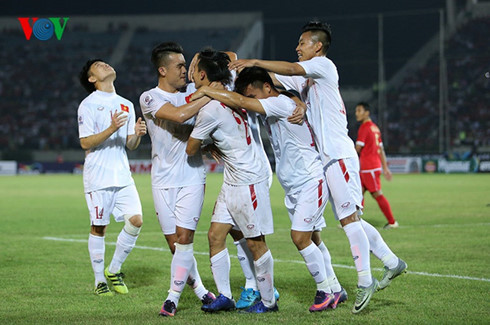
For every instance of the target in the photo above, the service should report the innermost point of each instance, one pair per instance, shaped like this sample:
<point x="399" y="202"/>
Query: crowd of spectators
<point x="413" y="108"/>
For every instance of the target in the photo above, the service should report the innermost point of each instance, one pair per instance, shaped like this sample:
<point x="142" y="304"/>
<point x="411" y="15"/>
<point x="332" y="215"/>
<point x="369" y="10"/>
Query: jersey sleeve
<point x="361" y="136"/>
<point x="205" y="124"/>
<point x="291" y="82"/>
<point x="131" y="119"/>
<point x="150" y="105"/>
<point x="86" y="125"/>
<point x="277" y="106"/>
<point x="317" y="67"/>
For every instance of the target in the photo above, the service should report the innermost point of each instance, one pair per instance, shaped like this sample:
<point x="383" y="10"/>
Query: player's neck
<point x="107" y="87"/>
<point x="163" y="85"/>
<point x="366" y="120"/>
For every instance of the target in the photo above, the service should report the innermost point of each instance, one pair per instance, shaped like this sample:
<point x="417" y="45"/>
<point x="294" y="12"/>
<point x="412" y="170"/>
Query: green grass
<point x="444" y="234"/>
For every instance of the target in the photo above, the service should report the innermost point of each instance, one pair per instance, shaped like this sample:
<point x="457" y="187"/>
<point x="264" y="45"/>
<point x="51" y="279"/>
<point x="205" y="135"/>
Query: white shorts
<point x="306" y="206"/>
<point x="178" y="206"/>
<point x="344" y="186"/>
<point x="246" y="206"/>
<point x="117" y="201"/>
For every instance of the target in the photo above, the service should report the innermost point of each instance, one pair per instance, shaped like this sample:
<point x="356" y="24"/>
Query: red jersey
<point x="369" y="138"/>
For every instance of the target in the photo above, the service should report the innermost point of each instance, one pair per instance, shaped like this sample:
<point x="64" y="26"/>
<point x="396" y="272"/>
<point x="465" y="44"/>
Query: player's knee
<point x="132" y="224"/>
<point x="376" y="194"/>
<point x="301" y="239"/>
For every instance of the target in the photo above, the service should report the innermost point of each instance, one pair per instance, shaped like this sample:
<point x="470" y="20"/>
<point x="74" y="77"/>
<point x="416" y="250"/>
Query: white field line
<point x="335" y="228"/>
<point x="437" y="275"/>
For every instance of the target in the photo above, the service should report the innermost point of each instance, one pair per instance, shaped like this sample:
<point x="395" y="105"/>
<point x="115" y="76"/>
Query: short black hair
<point x="365" y="105"/>
<point x="321" y="32"/>
<point x="254" y="76"/>
<point x="215" y="64"/>
<point x="85" y="74"/>
<point x="160" y="53"/>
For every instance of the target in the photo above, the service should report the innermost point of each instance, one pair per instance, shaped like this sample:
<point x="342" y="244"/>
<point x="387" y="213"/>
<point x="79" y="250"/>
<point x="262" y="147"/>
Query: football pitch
<point x="444" y="236"/>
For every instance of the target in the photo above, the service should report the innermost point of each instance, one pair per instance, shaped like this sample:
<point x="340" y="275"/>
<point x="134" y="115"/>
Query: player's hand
<point x="387" y="173"/>
<point x="298" y="115"/>
<point x="192" y="67"/>
<point x="118" y="119"/>
<point x="239" y="65"/>
<point x="140" y="127"/>
<point x="198" y="94"/>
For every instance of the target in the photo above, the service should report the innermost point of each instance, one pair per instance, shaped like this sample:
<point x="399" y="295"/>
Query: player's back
<point x="297" y="160"/>
<point x="171" y="166"/>
<point x="231" y="134"/>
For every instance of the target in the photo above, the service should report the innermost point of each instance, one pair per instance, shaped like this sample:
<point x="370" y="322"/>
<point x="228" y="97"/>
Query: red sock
<point x="384" y="205"/>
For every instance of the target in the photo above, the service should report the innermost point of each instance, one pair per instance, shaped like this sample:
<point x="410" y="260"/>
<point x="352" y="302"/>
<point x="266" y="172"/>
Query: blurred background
<point x="424" y="66"/>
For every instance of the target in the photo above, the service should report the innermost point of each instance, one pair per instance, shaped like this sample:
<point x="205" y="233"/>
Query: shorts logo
<point x="101" y="108"/>
<point x="250" y="226"/>
<point x="179" y="283"/>
<point x="308" y="220"/>
<point x="196" y="219"/>
<point x="345" y="205"/>
<point x="148" y="99"/>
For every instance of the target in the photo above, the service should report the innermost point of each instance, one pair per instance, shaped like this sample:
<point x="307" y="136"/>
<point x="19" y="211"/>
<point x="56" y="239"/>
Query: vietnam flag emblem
<point x="124" y="108"/>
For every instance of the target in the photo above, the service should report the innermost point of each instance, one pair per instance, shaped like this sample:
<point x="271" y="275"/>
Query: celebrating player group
<point x="217" y="112"/>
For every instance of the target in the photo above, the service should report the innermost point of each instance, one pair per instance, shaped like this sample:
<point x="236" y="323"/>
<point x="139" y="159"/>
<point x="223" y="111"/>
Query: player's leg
<point x="383" y="203"/>
<point x="339" y="293"/>
<point x="99" y="204"/>
<point x="127" y="209"/>
<point x="251" y="211"/>
<point x="250" y="293"/>
<point x="346" y="197"/>
<point x="221" y="224"/>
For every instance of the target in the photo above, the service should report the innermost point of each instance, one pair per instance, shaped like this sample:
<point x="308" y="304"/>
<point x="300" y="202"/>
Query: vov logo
<point x="43" y="28"/>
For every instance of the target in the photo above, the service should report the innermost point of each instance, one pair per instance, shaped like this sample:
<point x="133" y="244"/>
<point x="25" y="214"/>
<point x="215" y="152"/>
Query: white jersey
<point x="297" y="160"/>
<point x="319" y="89"/>
<point x="171" y="166"/>
<point x="107" y="164"/>
<point x="231" y="134"/>
<point x="253" y="123"/>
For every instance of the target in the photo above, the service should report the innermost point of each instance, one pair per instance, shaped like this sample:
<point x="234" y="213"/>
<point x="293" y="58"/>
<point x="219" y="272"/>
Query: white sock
<point x="195" y="282"/>
<point x="246" y="259"/>
<point x="264" y="268"/>
<point x="181" y="264"/>
<point x="333" y="282"/>
<point x="96" y="250"/>
<point x="220" y="266"/>
<point x="316" y="265"/>
<point x="124" y="246"/>
<point x="378" y="246"/>
<point x="359" y="246"/>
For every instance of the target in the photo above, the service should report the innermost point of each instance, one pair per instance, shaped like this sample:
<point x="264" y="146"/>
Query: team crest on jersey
<point x="148" y="99"/>
<point x="80" y="120"/>
<point x="101" y="108"/>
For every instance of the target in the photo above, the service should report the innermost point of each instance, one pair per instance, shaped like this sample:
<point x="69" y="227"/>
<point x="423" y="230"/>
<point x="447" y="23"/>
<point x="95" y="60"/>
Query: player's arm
<point x="384" y="163"/>
<point x="230" y="99"/>
<point x="358" y="148"/>
<point x="193" y="146"/>
<point x="280" y="67"/>
<point x="117" y="120"/>
<point x="133" y="140"/>
<point x="180" y="114"/>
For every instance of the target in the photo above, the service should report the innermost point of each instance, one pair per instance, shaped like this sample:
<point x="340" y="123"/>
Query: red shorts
<point x="371" y="180"/>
